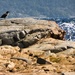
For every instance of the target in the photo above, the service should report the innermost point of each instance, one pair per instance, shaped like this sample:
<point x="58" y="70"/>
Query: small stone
<point x="10" y="65"/>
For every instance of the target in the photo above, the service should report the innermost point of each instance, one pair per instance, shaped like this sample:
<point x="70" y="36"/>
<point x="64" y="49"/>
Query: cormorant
<point x="5" y="14"/>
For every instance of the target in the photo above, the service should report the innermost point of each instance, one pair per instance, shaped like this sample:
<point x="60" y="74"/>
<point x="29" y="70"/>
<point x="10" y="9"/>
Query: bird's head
<point x="7" y="11"/>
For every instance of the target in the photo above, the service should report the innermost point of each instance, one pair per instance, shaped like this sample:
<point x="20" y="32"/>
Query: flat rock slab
<point x="69" y="73"/>
<point x="53" y="45"/>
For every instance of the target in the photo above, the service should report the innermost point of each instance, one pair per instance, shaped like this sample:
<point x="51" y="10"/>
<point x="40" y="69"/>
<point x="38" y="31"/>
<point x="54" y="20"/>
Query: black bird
<point x="41" y="61"/>
<point x="5" y="14"/>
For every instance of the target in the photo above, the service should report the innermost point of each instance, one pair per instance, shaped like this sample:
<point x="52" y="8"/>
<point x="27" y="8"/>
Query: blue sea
<point x="61" y="11"/>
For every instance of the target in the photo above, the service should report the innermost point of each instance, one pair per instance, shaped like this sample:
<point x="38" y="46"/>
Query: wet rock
<point x="16" y="37"/>
<point x="22" y="34"/>
<point x="20" y="44"/>
<point x="0" y="41"/>
<point x="29" y="40"/>
<point x="5" y="35"/>
<point x="7" y="41"/>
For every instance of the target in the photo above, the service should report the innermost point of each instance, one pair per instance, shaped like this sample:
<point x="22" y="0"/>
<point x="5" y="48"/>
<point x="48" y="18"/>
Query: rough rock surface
<point x="27" y="31"/>
<point x="26" y="44"/>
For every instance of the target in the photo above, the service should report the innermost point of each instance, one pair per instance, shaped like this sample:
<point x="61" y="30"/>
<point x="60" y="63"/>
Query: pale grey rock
<point x="53" y="46"/>
<point x="68" y="73"/>
<point x="23" y="59"/>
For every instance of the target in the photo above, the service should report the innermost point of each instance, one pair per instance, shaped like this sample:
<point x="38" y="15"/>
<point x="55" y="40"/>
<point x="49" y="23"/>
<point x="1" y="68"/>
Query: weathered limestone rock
<point x="53" y="45"/>
<point x="10" y="65"/>
<point x="11" y="60"/>
<point x="8" y="49"/>
<point x="30" y="38"/>
<point x="18" y="30"/>
<point x="69" y="73"/>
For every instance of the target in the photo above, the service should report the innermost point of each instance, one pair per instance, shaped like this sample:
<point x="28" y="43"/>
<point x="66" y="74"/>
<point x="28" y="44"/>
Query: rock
<point x="23" y="59"/>
<point x="27" y="31"/>
<point x="20" y="44"/>
<point x="16" y="37"/>
<point x="33" y="52"/>
<point x="67" y="52"/>
<point x="41" y="61"/>
<point x="8" y="49"/>
<point x="20" y="28"/>
<point x="10" y="65"/>
<point x="52" y="45"/>
<point x="7" y="41"/>
<point x="68" y="73"/>
<point x="0" y="41"/>
<point x="22" y="34"/>
<point x="7" y="38"/>
<point x="30" y="38"/>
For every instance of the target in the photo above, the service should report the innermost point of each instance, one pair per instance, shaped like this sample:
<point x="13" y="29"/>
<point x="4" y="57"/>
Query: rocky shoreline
<point x="27" y="44"/>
